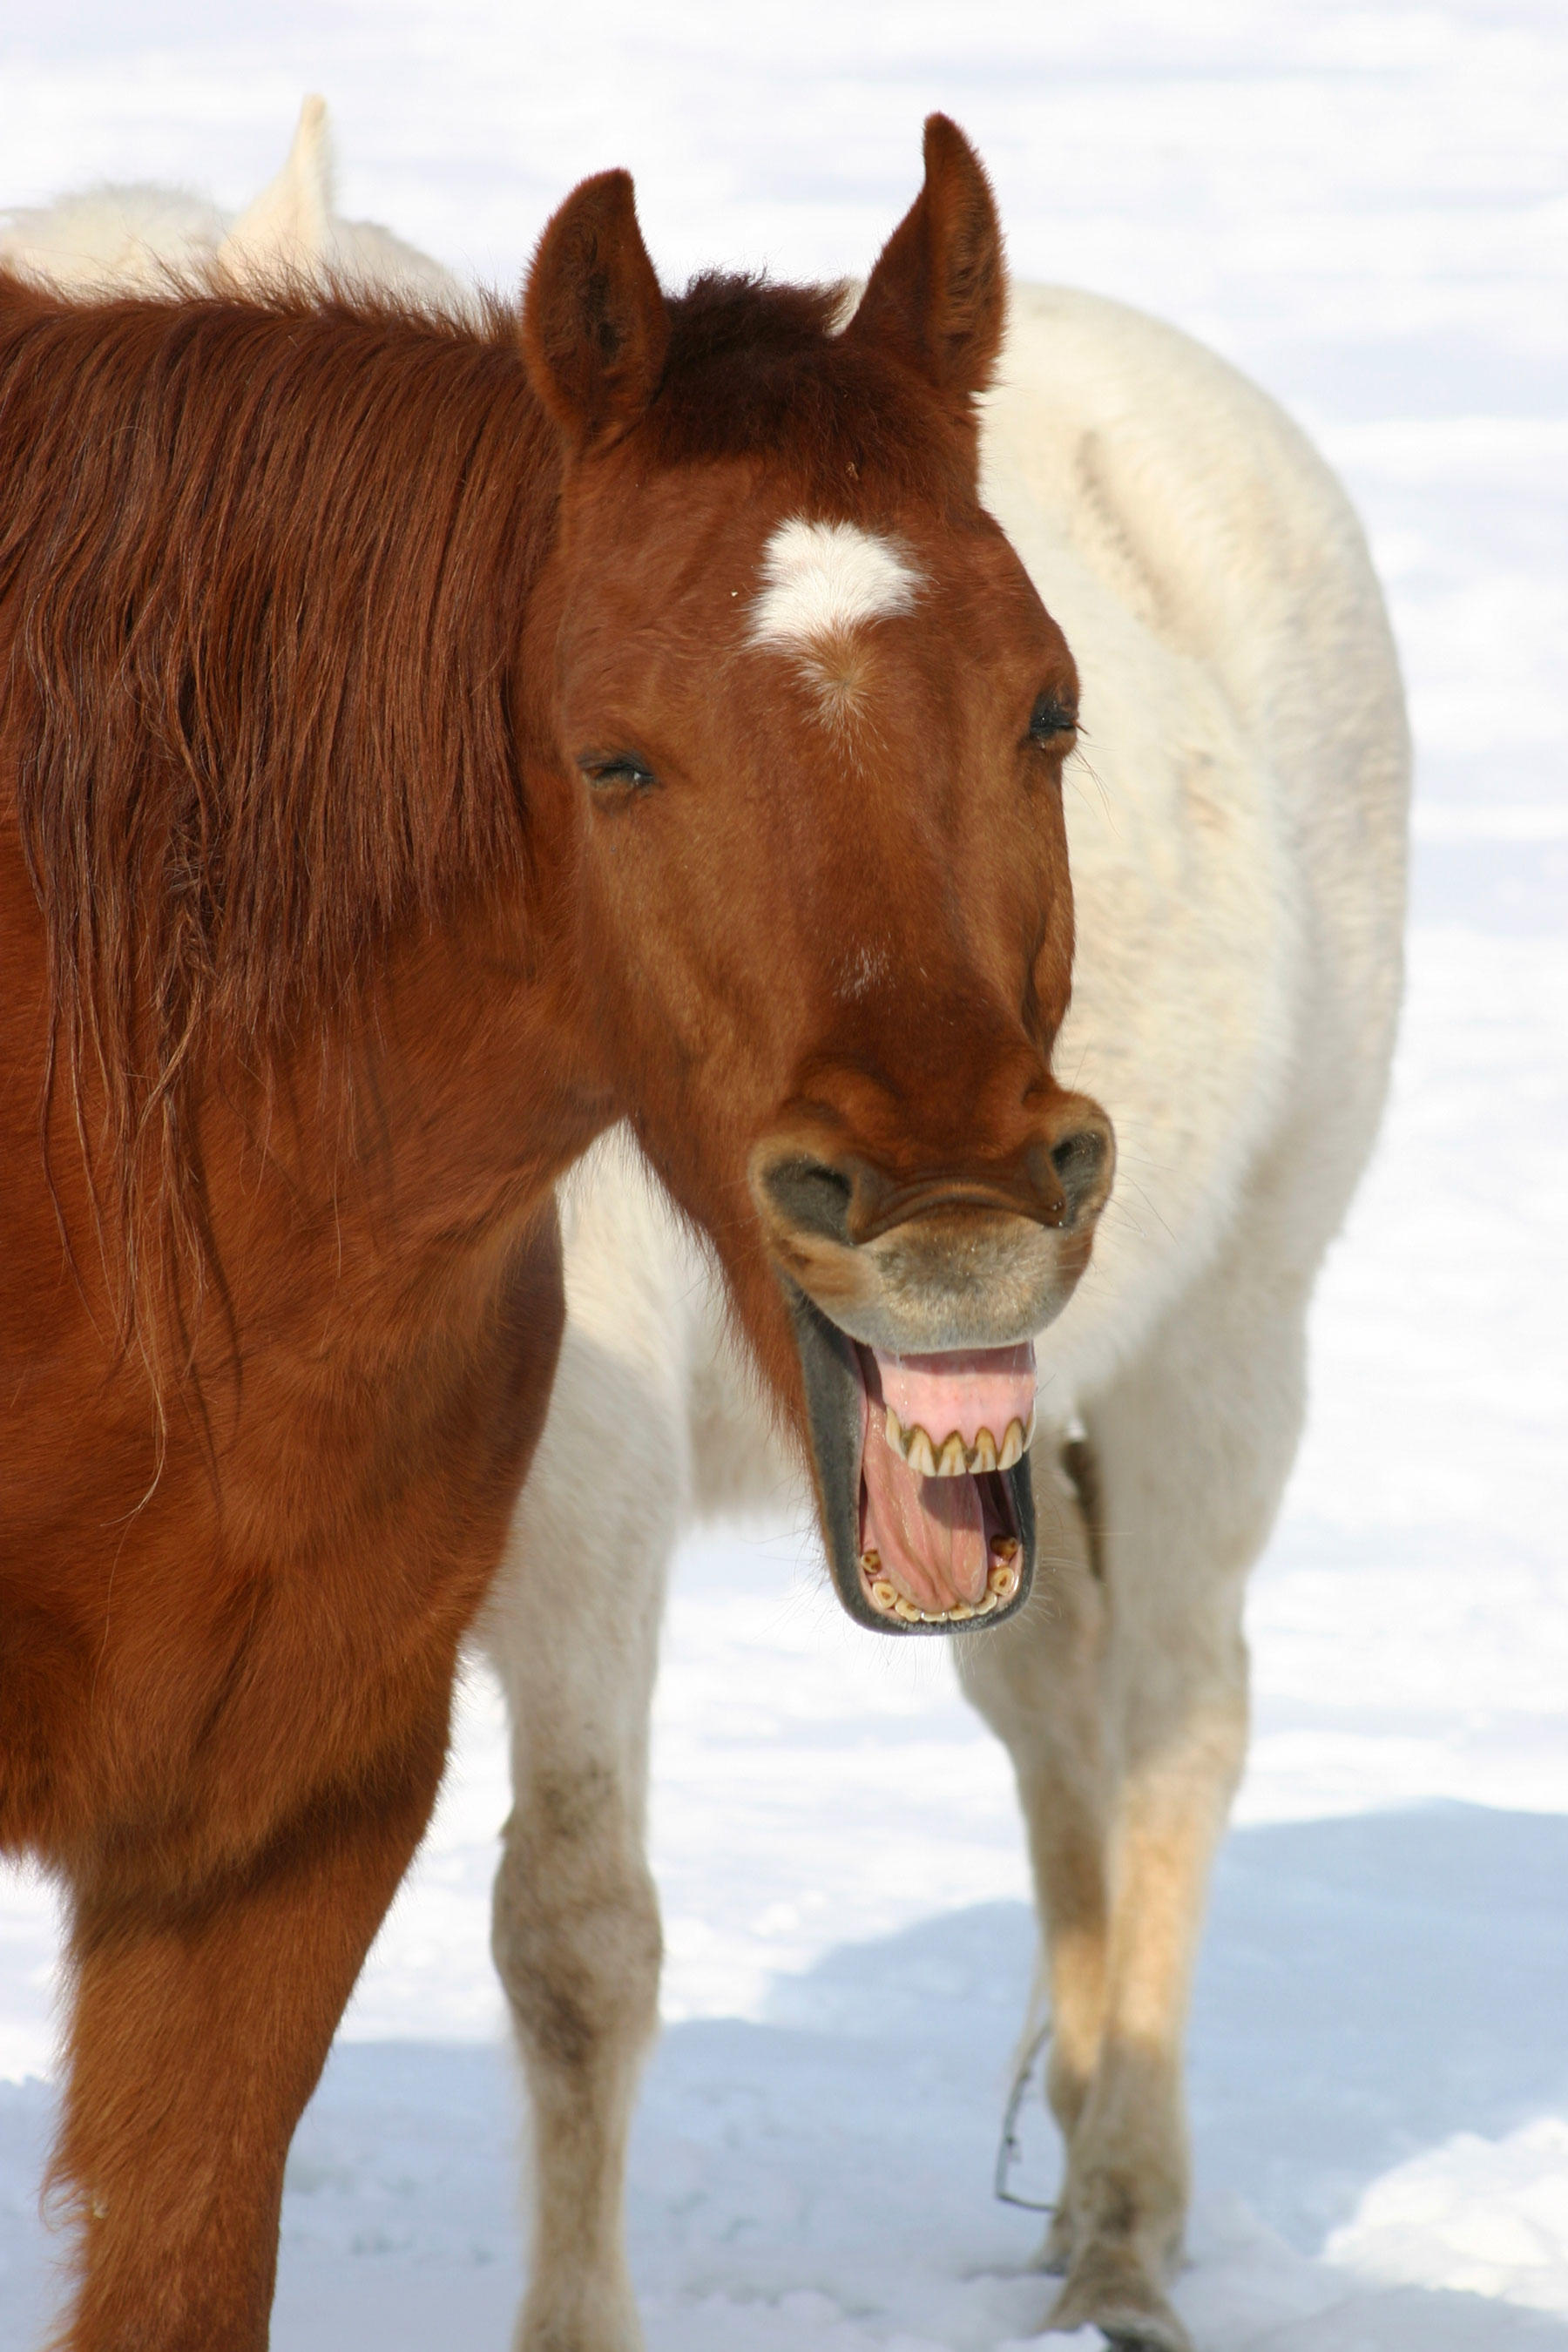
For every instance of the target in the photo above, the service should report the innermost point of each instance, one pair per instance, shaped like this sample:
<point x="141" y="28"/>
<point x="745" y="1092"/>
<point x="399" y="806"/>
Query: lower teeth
<point x="1001" y="1585"/>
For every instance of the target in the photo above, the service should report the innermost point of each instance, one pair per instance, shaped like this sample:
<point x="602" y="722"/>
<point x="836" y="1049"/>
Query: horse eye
<point x="618" y="773"/>
<point x="1050" y="721"/>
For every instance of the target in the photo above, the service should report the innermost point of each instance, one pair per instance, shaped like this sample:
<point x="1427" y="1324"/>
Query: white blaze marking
<point x="825" y="578"/>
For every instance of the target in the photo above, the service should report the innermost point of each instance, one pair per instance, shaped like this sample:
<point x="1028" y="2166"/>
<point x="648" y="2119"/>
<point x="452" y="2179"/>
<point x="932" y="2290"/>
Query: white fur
<point x="153" y="239"/>
<point x="293" y="224"/>
<point x="824" y="580"/>
<point x="139" y="238"/>
<point x="1236" y="826"/>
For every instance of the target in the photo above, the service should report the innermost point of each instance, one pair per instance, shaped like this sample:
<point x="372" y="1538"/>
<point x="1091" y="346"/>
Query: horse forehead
<point x="822" y="580"/>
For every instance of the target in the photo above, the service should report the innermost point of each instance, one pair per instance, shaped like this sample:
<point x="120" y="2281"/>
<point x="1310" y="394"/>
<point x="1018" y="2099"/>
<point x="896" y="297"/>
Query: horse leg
<point x="201" y="2019"/>
<point x="1038" y="1682"/>
<point x="1192" y="1447"/>
<point x="1177" y="1704"/>
<point x="577" y="1943"/>
<point x="1121" y="1697"/>
<point x="573" y="1629"/>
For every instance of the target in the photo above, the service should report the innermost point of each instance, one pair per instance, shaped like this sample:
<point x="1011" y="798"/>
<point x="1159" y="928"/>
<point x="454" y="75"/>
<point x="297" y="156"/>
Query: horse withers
<point x="426" y="744"/>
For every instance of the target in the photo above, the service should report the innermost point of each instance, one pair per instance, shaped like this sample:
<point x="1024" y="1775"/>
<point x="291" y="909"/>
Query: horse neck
<point x="473" y="1081"/>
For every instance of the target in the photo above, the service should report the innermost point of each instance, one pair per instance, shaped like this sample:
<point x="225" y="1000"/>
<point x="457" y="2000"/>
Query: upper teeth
<point x="953" y="1458"/>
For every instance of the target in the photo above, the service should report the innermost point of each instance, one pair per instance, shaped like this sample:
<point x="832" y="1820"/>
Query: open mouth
<point x="922" y="1470"/>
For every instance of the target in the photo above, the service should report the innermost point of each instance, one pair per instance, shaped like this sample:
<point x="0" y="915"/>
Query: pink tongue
<point x="930" y="1533"/>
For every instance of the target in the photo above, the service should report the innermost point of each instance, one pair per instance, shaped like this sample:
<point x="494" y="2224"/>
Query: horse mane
<point x="759" y="370"/>
<point x="264" y="562"/>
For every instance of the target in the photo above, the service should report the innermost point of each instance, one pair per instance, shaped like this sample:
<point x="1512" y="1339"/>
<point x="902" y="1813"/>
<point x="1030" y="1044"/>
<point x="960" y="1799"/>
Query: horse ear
<point x="937" y="294"/>
<point x="287" y="230"/>
<point x="596" y="326"/>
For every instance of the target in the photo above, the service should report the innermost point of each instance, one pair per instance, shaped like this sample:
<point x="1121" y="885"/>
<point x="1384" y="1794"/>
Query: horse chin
<point x="844" y="1411"/>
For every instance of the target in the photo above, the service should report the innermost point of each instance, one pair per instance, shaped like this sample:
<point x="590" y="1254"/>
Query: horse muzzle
<point x="915" y="1303"/>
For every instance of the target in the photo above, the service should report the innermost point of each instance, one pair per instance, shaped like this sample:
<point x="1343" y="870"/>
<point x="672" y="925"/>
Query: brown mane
<point x="758" y="370"/>
<point x="259" y="690"/>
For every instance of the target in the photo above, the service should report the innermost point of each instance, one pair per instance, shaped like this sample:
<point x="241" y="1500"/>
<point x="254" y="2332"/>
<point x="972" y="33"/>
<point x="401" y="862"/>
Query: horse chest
<point x="284" y="1576"/>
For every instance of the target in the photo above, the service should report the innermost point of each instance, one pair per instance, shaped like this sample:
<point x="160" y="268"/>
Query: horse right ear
<point x="937" y="294"/>
<point x="594" y="323"/>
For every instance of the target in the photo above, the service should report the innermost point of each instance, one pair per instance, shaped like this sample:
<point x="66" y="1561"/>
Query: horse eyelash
<point x="621" y="769"/>
<point x="1047" y="725"/>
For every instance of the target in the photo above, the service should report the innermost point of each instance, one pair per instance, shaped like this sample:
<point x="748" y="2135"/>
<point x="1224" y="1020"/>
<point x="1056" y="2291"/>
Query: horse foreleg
<point x="573" y="1629"/>
<point x="1179" y="1704"/>
<point x="1192" y="1447"/>
<point x="1038" y="1683"/>
<point x="201" y="2019"/>
<point x="1125" y="2199"/>
<point x="576" y="1940"/>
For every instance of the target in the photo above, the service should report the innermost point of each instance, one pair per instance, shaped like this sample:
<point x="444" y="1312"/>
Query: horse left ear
<point x="596" y="326"/>
<point x="937" y="294"/>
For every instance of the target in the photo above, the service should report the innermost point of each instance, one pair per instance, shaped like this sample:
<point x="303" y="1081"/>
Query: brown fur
<point x="326" y="944"/>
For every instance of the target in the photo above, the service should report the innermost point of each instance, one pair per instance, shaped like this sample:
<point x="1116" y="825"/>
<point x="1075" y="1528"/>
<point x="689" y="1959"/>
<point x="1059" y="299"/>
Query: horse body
<point x="1236" y="830"/>
<point x="425" y="745"/>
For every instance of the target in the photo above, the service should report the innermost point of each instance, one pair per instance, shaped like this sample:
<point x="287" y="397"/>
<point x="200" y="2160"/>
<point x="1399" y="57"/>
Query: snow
<point x="1489" y="2217"/>
<point x="1365" y="205"/>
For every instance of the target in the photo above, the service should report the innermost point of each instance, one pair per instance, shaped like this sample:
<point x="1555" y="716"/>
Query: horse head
<point x="818" y="716"/>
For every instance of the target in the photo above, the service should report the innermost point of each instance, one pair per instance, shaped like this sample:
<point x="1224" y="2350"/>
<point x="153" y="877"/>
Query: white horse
<point x="1237" y="830"/>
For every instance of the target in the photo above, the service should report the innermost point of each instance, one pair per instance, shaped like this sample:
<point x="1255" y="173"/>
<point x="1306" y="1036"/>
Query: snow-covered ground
<point x="1365" y="204"/>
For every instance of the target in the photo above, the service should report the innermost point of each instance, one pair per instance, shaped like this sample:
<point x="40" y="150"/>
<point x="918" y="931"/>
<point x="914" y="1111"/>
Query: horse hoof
<point x="1112" y="2292"/>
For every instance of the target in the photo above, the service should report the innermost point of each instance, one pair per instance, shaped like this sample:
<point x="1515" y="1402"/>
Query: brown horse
<point x="422" y="747"/>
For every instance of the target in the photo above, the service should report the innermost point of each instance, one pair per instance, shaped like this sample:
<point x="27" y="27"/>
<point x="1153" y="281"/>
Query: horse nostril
<point x="810" y="1196"/>
<point x="1081" y="1160"/>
